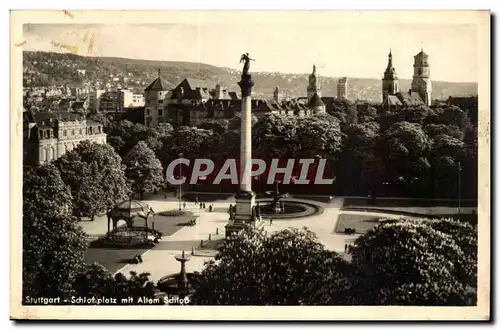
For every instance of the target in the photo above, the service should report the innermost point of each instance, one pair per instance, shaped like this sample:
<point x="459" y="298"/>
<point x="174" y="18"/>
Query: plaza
<point x="159" y="260"/>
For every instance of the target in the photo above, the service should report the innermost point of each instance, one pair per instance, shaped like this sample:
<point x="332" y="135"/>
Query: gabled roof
<point x="393" y="100"/>
<point x="315" y="101"/>
<point x="194" y="83"/>
<point x="412" y="98"/>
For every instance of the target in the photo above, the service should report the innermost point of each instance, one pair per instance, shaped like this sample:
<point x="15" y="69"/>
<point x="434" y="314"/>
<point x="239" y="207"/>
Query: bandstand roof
<point x="130" y="209"/>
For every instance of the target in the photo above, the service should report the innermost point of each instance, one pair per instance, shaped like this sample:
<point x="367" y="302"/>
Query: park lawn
<point x="362" y="223"/>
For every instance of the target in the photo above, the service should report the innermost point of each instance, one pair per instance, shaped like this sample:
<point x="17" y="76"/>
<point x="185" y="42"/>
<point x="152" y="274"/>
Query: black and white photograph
<point x="328" y="160"/>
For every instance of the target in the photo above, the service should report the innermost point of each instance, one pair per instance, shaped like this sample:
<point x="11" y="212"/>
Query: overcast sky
<point x="353" y="50"/>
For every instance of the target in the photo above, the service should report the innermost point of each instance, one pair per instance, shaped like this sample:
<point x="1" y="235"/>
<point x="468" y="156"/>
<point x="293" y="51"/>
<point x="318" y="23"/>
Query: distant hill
<point x="47" y="68"/>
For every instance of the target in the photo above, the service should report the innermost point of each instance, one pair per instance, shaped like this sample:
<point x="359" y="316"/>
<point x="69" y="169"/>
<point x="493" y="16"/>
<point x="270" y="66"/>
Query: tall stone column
<point x="245" y="198"/>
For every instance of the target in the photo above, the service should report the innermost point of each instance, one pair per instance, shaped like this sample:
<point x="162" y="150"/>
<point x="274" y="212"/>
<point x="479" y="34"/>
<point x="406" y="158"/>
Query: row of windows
<point x="47" y="134"/>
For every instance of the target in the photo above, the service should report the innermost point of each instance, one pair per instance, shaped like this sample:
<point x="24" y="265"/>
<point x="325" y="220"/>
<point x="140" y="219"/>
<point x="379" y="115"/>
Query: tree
<point x="53" y="243"/>
<point x="289" y="267"/>
<point x="360" y="166"/>
<point x="275" y="136"/>
<point x="345" y="107"/>
<point x="405" y="262"/>
<point x="368" y="114"/>
<point x="405" y="147"/>
<point x="319" y="135"/>
<point x="95" y="175"/>
<point x="95" y="281"/>
<point x="143" y="169"/>
<point x="453" y="115"/>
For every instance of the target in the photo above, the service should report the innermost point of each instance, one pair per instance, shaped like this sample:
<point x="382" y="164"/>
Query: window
<point x="90" y="130"/>
<point x="80" y="131"/>
<point x="160" y="101"/>
<point x="72" y="132"/>
<point x="99" y="129"/>
<point x="148" y="112"/>
<point x="160" y="112"/>
<point x="64" y="132"/>
<point x="420" y="71"/>
<point x="47" y="134"/>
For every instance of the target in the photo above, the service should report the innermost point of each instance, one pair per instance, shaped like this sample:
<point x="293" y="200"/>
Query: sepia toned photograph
<point x="201" y="164"/>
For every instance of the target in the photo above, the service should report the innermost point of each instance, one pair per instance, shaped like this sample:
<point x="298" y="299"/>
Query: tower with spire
<point x="314" y="85"/>
<point x="421" y="83"/>
<point x="277" y="95"/>
<point x="390" y="82"/>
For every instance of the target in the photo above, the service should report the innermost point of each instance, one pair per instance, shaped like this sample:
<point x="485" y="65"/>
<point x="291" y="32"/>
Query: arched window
<point x="80" y="131"/>
<point x="90" y="130"/>
<point x="420" y="71"/>
<point x="47" y="155"/>
<point x="52" y="153"/>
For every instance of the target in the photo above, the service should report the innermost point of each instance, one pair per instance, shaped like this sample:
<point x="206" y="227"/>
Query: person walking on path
<point x="196" y="201"/>
<point x="271" y="221"/>
<point x="184" y="205"/>
<point x="345" y="248"/>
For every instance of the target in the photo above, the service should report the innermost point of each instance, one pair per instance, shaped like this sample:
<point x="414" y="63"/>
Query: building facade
<point x="48" y="135"/>
<point x="342" y="88"/>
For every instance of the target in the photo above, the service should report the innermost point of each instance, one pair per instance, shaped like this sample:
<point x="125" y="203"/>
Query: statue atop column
<point x="246" y="66"/>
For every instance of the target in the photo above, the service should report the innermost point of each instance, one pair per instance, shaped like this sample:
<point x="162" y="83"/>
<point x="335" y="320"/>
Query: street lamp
<point x="459" y="169"/>
<point x="180" y="184"/>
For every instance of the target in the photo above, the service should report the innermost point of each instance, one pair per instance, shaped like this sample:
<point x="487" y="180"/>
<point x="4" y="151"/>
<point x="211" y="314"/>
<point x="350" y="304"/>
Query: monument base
<point x="245" y="215"/>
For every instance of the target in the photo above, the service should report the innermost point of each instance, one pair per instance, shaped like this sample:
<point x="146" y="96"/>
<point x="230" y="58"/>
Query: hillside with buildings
<point x="56" y="69"/>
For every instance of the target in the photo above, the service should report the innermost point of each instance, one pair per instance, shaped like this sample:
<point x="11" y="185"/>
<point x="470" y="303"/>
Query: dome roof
<point x="421" y="54"/>
<point x="130" y="209"/>
<point x="315" y="101"/>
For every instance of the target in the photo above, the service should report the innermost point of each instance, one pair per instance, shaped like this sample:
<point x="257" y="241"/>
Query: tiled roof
<point x="393" y="100"/>
<point x="412" y="98"/>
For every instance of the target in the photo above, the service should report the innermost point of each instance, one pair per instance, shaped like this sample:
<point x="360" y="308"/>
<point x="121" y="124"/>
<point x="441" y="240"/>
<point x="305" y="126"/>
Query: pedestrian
<point x="204" y="205"/>
<point x="271" y="221"/>
<point x="345" y="248"/>
<point x="201" y="206"/>
<point x="210" y="208"/>
<point x="184" y="205"/>
<point x="196" y="201"/>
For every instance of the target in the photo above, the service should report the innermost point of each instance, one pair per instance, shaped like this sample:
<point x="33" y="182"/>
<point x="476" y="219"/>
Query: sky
<point x="337" y="49"/>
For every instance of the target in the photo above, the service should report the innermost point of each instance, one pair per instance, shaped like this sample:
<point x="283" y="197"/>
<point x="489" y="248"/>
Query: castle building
<point x="154" y="95"/>
<point x="49" y="135"/>
<point x="421" y="83"/>
<point x="342" y="88"/>
<point x="314" y="86"/>
<point x="420" y="92"/>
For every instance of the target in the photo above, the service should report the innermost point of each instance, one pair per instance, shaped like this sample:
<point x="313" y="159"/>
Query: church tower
<point x="421" y="83"/>
<point x="277" y="94"/>
<point x="314" y="85"/>
<point x="390" y="83"/>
